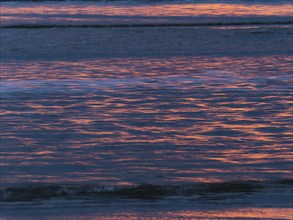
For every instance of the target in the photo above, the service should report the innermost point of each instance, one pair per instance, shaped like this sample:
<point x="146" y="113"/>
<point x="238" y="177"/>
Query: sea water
<point x="133" y="130"/>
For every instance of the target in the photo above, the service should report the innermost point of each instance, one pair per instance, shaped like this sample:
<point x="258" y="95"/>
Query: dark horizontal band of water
<point x="144" y="25"/>
<point x="144" y="191"/>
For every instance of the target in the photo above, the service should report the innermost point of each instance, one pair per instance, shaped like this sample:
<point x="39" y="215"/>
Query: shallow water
<point x="146" y="120"/>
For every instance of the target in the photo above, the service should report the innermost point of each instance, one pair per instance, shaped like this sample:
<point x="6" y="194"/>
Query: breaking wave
<point x="143" y="191"/>
<point x="145" y="25"/>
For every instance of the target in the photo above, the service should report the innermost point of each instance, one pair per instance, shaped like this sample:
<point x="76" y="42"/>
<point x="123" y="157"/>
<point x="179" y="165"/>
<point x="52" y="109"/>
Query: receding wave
<point x="145" y="25"/>
<point x="143" y="191"/>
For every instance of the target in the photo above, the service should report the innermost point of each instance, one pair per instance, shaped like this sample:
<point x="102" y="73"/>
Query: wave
<point x="26" y="26"/>
<point x="143" y="191"/>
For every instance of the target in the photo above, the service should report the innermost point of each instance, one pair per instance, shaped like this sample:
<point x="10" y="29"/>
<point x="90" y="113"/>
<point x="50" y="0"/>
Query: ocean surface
<point x="143" y="12"/>
<point x="146" y="109"/>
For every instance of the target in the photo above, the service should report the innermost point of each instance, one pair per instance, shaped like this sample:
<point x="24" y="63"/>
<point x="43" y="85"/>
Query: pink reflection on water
<point x="172" y="119"/>
<point x="184" y="9"/>
<point x="119" y="12"/>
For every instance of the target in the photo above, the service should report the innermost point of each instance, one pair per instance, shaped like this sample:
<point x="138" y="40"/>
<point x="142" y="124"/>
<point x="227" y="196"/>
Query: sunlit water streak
<point x="151" y="120"/>
<point x="237" y="213"/>
<point x="139" y="12"/>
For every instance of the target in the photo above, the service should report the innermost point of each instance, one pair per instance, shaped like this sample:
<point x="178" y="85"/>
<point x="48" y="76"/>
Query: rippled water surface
<point x="110" y="110"/>
<point x="139" y="12"/>
<point x="146" y="120"/>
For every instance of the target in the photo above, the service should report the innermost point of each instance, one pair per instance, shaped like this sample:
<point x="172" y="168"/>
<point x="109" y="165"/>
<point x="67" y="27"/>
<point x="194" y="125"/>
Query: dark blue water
<point x="125" y="108"/>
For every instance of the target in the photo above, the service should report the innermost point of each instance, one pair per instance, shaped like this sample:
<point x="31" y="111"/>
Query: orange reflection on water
<point x="206" y="213"/>
<point x="184" y="9"/>
<point x="257" y="213"/>
<point x="172" y="119"/>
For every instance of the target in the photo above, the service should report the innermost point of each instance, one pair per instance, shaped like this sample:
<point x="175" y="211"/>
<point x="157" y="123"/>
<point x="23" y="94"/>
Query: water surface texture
<point x="146" y="110"/>
<point x="140" y="12"/>
<point x="124" y="121"/>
